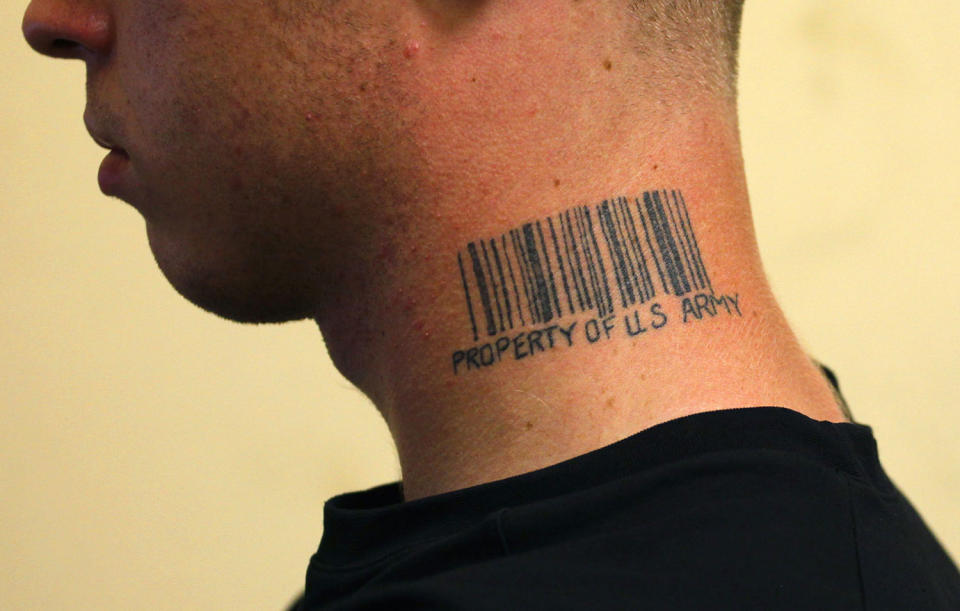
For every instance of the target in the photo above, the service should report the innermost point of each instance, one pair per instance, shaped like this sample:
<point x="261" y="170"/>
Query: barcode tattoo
<point x="602" y="259"/>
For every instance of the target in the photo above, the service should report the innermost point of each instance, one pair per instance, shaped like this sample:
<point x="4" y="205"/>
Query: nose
<point x="77" y="29"/>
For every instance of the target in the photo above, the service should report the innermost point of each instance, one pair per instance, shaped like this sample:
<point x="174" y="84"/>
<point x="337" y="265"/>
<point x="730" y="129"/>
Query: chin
<point x="240" y="307"/>
<point x="241" y="293"/>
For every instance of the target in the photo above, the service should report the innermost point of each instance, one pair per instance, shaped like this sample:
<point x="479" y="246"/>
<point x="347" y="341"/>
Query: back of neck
<point x="553" y="318"/>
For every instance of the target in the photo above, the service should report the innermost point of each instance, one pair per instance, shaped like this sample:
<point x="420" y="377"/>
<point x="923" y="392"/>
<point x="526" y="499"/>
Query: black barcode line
<point x="493" y="285"/>
<point x="655" y="228"/>
<point x="583" y="297"/>
<point x="482" y="288"/>
<point x="576" y="234"/>
<point x="527" y="285"/>
<point x="695" y="277"/>
<point x="676" y="244"/>
<point x="613" y="248"/>
<point x="466" y="291"/>
<point x="513" y="279"/>
<point x="627" y="255"/>
<point x="683" y="263"/>
<point x="675" y="225"/>
<point x="637" y="248"/>
<point x="588" y="257"/>
<point x="676" y="256"/>
<point x="542" y="292"/>
<point x="563" y="268"/>
<point x="626" y="298"/>
<point x="653" y="251"/>
<point x="696" y="245"/>
<point x="503" y="283"/>
<point x="588" y="263"/>
<point x="668" y="250"/>
<point x="546" y="259"/>
<point x="698" y="269"/>
<point x="676" y="221"/>
<point x="601" y="268"/>
<point x="534" y="290"/>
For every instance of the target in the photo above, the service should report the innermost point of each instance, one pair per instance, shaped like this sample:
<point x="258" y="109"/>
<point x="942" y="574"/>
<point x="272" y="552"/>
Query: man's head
<point x="274" y="148"/>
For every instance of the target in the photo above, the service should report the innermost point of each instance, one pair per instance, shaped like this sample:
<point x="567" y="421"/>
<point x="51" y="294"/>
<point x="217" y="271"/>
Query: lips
<point x="114" y="170"/>
<point x="99" y="129"/>
<point x="105" y="143"/>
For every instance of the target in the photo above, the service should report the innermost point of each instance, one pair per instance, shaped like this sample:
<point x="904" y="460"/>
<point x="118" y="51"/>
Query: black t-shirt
<point x="759" y="508"/>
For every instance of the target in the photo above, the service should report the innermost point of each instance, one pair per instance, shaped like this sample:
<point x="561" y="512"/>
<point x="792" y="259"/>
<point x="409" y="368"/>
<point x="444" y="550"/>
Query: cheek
<point x="197" y="140"/>
<point x="228" y="135"/>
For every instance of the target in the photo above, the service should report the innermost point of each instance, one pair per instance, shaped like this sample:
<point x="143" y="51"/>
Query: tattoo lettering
<point x="622" y="263"/>
<point x="694" y="308"/>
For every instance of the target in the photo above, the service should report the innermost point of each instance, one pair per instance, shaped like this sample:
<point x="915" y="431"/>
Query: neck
<point x="541" y="323"/>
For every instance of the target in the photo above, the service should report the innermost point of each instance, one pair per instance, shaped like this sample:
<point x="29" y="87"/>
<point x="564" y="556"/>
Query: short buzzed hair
<point x="704" y="31"/>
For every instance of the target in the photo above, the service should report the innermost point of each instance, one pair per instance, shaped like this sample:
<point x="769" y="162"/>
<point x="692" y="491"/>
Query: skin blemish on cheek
<point x="411" y="49"/>
<point x="310" y="116"/>
<point x="607" y="64"/>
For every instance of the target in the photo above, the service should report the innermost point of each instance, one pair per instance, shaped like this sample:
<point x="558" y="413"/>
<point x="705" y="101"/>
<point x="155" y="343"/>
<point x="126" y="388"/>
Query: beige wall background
<point x="153" y="456"/>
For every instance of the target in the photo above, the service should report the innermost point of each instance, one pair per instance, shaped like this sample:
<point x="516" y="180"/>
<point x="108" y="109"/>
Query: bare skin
<point x="334" y="164"/>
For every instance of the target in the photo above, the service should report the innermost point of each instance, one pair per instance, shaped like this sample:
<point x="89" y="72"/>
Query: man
<point x="523" y="230"/>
